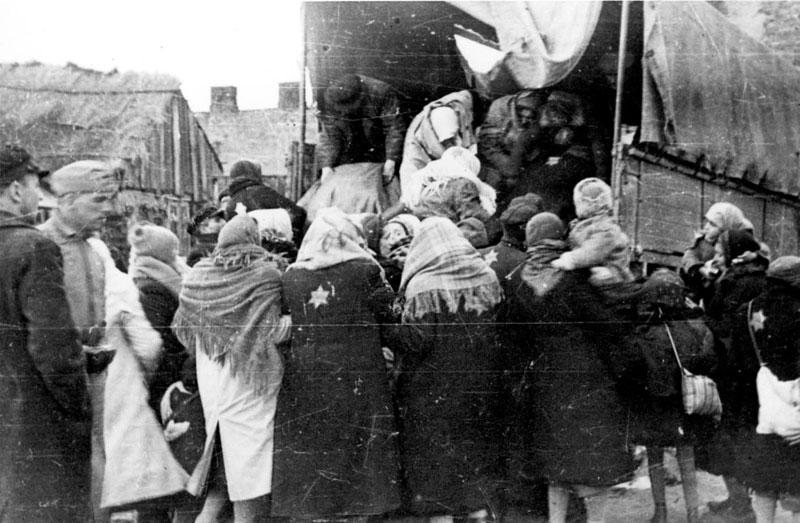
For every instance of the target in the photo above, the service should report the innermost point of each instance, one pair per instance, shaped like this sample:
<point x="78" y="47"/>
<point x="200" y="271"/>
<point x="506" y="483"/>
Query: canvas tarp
<point x="540" y="41"/>
<point x="715" y="93"/>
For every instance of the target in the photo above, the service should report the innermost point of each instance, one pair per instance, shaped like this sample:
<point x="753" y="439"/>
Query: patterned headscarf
<point x="332" y="239"/>
<point x="443" y="270"/>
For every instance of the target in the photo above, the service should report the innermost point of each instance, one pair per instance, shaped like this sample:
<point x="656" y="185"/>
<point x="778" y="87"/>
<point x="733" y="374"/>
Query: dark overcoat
<point x="335" y="432"/>
<point x="44" y="441"/>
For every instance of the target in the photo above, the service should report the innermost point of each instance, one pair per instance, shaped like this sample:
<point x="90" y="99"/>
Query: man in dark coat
<point x="246" y="189"/>
<point x="361" y="123"/>
<point x="44" y="444"/>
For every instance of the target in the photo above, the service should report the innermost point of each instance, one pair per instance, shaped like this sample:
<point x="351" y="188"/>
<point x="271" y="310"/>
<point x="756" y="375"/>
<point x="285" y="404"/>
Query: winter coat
<point x="764" y="462"/>
<point x="159" y="305"/>
<point x="570" y="423"/>
<point x="374" y="133"/>
<point x="335" y="434"/>
<point x="658" y="416"/>
<point x="139" y="465"/>
<point x="598" y="241"/>
<point x="255" y="195"/>
<point x="44" y="444"/>
<point x="450" y="404"/>
<point x="503" y="258"/>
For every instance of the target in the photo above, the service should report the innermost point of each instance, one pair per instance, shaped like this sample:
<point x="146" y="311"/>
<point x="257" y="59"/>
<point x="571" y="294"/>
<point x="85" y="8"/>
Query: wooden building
<point x="64" y="114"/>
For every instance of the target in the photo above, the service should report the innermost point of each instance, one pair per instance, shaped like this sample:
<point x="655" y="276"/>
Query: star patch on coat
<point x="757" y="320"/>
<point x="319" y="297"/>
<point x="491" y="257"/>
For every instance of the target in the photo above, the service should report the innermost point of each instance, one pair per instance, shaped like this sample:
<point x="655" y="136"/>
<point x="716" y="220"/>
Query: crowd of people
<point x="474" y="351"/>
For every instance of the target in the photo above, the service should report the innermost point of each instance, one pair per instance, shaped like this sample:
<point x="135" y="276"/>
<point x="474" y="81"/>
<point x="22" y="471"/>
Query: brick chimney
<point x="289" y="96"/>
<point x="223" y="100"/>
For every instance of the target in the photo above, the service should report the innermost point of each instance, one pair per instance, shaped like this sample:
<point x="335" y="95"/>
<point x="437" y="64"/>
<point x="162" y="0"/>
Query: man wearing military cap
<point x="86" y="191"/>
<point x="44" y="443"/>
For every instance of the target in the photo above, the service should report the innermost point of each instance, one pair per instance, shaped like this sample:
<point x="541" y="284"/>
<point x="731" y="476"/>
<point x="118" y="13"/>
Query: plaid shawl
<point x="230" y="304"/>
<point x="443" y="270"/>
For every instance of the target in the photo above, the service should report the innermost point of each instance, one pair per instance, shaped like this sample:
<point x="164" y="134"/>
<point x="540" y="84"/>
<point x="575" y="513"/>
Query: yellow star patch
<point x="757" y="320"/>
<point x="319" y="297"/>
<point x="491" y="257"/>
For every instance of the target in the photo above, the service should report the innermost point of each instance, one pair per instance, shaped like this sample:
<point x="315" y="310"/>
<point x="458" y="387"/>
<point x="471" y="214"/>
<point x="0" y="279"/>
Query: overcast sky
<point x="252" y="44"/>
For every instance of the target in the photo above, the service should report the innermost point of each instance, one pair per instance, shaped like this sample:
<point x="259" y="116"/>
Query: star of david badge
<point x="491" y="257"/>
<point x="757" y="320"/>
<point x="319" y="297"/>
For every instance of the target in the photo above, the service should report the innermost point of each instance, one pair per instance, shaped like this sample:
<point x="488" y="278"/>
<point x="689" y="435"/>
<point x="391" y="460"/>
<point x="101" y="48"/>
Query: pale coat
<point x="139" y="464"/>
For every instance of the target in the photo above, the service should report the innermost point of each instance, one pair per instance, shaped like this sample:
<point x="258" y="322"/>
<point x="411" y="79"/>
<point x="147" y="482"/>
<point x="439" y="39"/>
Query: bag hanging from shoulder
<point x="700" y="394"/>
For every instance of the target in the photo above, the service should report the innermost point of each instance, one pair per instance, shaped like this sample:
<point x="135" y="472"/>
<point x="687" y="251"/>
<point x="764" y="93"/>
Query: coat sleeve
<point x="330" y="142"/>
<point x="596" y="248"/>
<point x="381" y="300"/>
<point x="52" y="338"/>
<point x="394" y="127"/>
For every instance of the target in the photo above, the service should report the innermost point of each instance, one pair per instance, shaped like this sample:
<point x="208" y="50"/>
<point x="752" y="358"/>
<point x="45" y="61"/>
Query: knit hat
<point x="147" y="239"/>
<point x="521" y="209"/>
<point x="592" y="197"/>
<point x="786" y="269"/>
<point x="245" y="169"/>
<point x="544" y="226"/>
<point x="240" y="230"/>
<point x="474" y="231"/>
<point x="663" y="288"/>
<point x="87" y="176"/>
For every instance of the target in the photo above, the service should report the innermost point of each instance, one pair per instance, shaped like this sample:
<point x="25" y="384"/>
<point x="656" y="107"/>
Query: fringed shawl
<point x="230" y="304"/>
<point x="443" y="270"/>
<point x="332" y="239"/>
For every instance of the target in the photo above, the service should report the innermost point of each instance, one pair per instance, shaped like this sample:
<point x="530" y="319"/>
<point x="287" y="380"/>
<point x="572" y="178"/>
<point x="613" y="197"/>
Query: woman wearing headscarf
<point x="570" y="425"/>
<point x="395" y="239"/>
<point x="721" y="217"/>
<point x="335" y="440"/>
<point x="230" y="315"/>
<point x="158" y="273"/>
<point x="767" y="351"/>
<point x="743" y="278"/>
<point x="665" y="325"/>
<point x="443" y="123"/>
<point x="449" y="387"/>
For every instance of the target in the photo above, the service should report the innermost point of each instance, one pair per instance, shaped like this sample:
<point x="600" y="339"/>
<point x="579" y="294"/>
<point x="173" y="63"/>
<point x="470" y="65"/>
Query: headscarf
<point x="443" y="270"/>
<point x="397" y="248"/>
<point x="544" y="236"/>
<point x="422" y="129"/>
<point x="331" y="239"/>
<point x="592" y="197"/>
<point x="154" y="255"/>
<point x="455" y="199"/>
<point x="230" y="304"/>
<point x="456" y="162"/>
<point x="786" y="269"/>
<point x="273" y="224"/>
<point x="728" y="217"/>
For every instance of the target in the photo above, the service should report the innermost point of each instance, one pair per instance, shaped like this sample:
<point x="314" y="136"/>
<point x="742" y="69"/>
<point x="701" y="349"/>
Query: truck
<point x="696" y="110"/>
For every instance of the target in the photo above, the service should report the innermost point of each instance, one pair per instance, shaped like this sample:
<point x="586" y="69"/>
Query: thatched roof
<point x="61" y="112"/>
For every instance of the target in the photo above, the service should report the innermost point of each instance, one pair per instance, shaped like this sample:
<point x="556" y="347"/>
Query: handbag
<point x="700" y="394"/>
